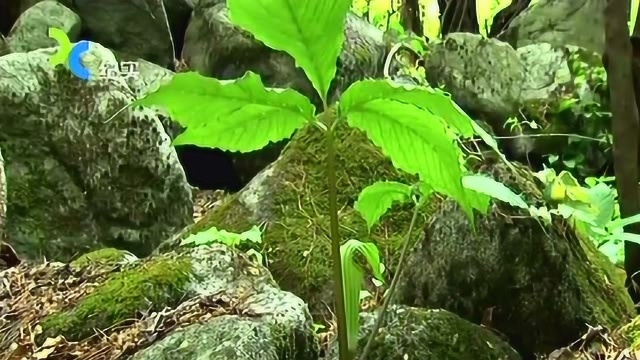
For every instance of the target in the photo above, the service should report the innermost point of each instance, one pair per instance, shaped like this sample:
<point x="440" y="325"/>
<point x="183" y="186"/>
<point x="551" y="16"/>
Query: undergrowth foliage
<point x="385" y="14"/>
<point x="417" y="127"/>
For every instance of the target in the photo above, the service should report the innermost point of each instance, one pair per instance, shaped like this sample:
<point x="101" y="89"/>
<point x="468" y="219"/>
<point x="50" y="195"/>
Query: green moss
<point x="151" y="286"/>
<point x="36" y="230"/>
<point x="545" y="282"/>
<point x="605" y="297"/>
<point x="631" y="333"/>
<point x="295" y="206"/>
<point x="413" y="333"/>
<point x="105" y="256"/>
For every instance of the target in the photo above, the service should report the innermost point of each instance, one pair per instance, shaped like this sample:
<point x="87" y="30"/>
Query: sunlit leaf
<point x="414" y="133"/>
<point x="240" y="115"/>
<point x="633" y="15"/>
<point x="214" y="235"/>
<point x="431" y="19"/>
<point x="376" y="199"/>
<point x="621" y="223"/>
<point x="486" y="10"/>
<point x="497" y="190"/>
<point x="311" y="31"/>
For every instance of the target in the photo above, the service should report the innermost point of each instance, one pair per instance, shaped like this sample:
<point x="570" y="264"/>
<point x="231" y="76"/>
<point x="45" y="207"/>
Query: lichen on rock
<point x="81" y="178"/>
<point x="30" y="32"/>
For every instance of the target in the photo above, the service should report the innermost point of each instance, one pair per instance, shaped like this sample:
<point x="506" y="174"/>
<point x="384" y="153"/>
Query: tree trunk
<point x="458" y="16"/>
<point x="625" y="128"/>
<point x="410" y="17"/>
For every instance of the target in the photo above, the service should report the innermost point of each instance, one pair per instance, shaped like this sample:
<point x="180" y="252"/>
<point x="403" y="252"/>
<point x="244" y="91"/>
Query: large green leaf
<point x="352" y="277"/>
<point x="376" y="199"/>
<point x="603" y="200"/>
<point x="416" y="140"/>
<point x="436" y="102"/>
<point x="486" y="10"/>
<point x="311" y="31"/>
<point x="488" y="186"/>
<point x="212" y="235"/>
<point x="239" y="115"/>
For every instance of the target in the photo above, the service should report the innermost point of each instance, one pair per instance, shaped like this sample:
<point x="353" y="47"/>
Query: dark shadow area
<point x="9" y="12"/>
<point x="209" y="169"/>
<point x="214" y="169"/>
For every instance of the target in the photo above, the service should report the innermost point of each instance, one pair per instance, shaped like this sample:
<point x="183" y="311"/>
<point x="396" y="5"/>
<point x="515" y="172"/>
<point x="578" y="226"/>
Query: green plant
<point x="385" y="14"/>
<point x="486" y="10"/>
<point x="416" y="127"/>
<point x="213" y="235"/>
<point x="372" y="203"/>
<point x="592" y="210"/>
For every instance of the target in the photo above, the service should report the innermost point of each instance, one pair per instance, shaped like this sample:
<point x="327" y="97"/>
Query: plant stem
<point x="336" y="241"/>
<point x="394" y="283"/>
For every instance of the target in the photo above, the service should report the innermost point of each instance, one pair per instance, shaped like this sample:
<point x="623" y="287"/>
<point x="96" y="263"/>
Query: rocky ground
<point x="93" y="207"/>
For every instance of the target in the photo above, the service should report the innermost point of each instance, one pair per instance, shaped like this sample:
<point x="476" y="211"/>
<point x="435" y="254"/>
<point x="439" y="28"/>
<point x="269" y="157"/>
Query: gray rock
<point x="226" y="337"/>
<point x="208" y="302"/>
<point x="276" y="325"/>
<point x="30" y="32"/>
<point x="547" y="69"/>
<point x="494" y="82"/>
<point x="139" y="28"/>
<point x="560" y="23"/>
<point x="4" y="46"/>
<point x="484" y="76"/>
<point x="77" y="178"/>
<point x="215" y="47"/>
<point x="3" y="197"/>
<point x="413" y="333"/>
<point x="540" y="283"/>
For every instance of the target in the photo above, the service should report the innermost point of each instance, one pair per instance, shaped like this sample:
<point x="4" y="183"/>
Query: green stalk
<point x="394" y="283"/>
<point x="336" y="241"/>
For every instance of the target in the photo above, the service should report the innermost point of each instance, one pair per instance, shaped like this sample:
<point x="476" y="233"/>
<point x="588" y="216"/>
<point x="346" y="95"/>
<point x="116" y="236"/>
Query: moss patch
<point x="630" y="333"/>
<point x="294" y="203"/>
<point x="106" y="256"/>
<point x="543" y="283"/>
<point x="152" y="286"/>
<point x="414" y="333"/>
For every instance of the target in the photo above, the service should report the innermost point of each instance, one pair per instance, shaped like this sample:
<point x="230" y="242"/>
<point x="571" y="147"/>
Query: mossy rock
<point x="157" y="283"/>
<point x="542" y="284"/>
<point x="414" y="333"/>
<point x="215" y="295"/>
<point x="71" y="190"/>
<point x="229" y="337"/>
<point x="629" y="334"/>
<point x="291" y="197"/>
<point x="102" y="257"/>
